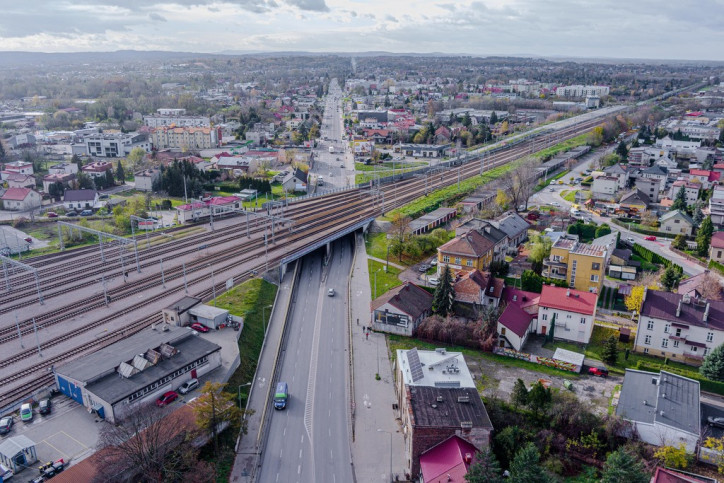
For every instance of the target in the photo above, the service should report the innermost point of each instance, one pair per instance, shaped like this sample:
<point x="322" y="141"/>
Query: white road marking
<point x="277" y="476"/>
<point x="302" y="441"/>
<point x="299" y="469"/>
<point x="300" y="454"/>
<point x="285" y="431"/>
<point x="280" y="453"/>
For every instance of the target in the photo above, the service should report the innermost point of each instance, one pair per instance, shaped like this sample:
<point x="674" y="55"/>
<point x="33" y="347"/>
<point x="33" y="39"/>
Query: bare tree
<point x="710" y="287"/>
<point x="518" y="183"/>
<point x="400" y="230"/>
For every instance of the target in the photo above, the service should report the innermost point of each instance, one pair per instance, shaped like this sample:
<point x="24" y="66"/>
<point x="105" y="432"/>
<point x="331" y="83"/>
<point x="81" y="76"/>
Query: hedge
<point x="716" y="266"/>
<point x="704" y="383"/>
<point x="644" y="231"/>
<point x="653" y="257"/>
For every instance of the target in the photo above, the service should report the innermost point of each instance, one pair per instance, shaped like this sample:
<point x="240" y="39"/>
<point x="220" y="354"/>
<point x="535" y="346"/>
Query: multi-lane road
<point x="332" y="167"/>
<point x="309" y="440"/>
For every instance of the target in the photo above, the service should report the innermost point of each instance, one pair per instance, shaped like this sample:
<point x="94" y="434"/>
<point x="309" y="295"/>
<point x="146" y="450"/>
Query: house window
<point x="457" y="260"/>
<point x="545" y="317"/>
<point x="502" y="331"/>
<point x="667" y="327"/>
<point x="664" y="343"/>
<point x="718" y="254"/>
<point x="445" y="259"/>
<point x="676" y="343"/>
<point x="646" y="351"/>
<point x="706" y="351"/>
<point x="678" y="332"/>
<point x="594" y="278"/>
<point x="647" y="340"/>
<point x="469" y="263"/>
<point x="668" y="228"/>
<point x="556" y="258"/>
<point x="595" y="266"/>
<point x="650" y="325"/>
<point x="676" y="221"/>
<point x="709" y="336"/>
<point x="583" y="320"/>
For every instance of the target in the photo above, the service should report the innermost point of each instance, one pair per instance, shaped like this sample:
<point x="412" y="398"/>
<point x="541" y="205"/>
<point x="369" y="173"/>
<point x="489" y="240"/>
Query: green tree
<point x="519" y="396"/>
<point x="622" y="150"/>
<point x="539" y="397"/>
<point x="85" y="182"/>
<point x="135" y="157"/>
<point x="670" y="279"/>
<point x="680" y="199"/>
<point x="442" y="301"/>
<point x="713" y="365"/>
<point x="679" y="242"/>
<point x="698" y="215"/>
<point x="2" y="150"/>
<point x="703" y="236"/>
<point x="75" y="159"/>
<point x="110" y="180"/>
<point x="120" y="173"/>
<point x="674" y="457"/>
<point x="485" y="469"/>
<point x="609" y="353"/>
<point x="526" y="468"/>
<point x="623" y="467"/>
<point x="721" y="136"/>
<point x="538" y="250"/>
<point x="493" y="118"/>
<point x="214" y="407"/>
<point x="603" y="230"/>
<point x="531" y="281"/>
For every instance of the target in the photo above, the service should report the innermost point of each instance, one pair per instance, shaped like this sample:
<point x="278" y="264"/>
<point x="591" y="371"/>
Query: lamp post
<point x="240" y="386"/>
<point x="263" y="316"/>
<point x="390" y="435"/>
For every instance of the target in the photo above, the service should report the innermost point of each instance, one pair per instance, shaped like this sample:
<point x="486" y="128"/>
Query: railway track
<point x="355" y="210"/>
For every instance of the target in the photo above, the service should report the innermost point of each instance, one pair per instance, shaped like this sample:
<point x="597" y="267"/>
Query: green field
<point x="376" y="245"/>
<point x="385" y="280"/>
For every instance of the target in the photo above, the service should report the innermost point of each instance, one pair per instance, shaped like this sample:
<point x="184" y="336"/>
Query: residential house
<point x="478" y="288"/>
<point x="649" y="186"/>
<point x="676" y="222"/>
<point x="513" y="225"/>
<point x="514" y="325"/>
<point x="112" y="145"/>
<point x="694" y="286"/>
<point x="663" y="408"/>
<point x="467" y="252"/>
<point x="97" y="169"/>
<point x="691" y="190"/>
<point x="145" y="179"/>
<point x="80" y="199"/>
<point x="635" y="201"/>
<point x="581" y="265"/>
<point x="21" y="199"/>
<point x="447" y="462"/>
<point x="20" y="167"/>
<point x="566" y="313"/>
<point x="655" y="173"/>
<point x="296" y="181"/>
<point x="424" y="150"/>
<point x="437" y="399"/>
<point x="703" y="176"/>
<point x="621" y="266"/>
<point x="620" y="172"/>
<point x="641" y="157"/>
<point x="201" y="209"/>
<point x="679" y="326"/>
<point x="488" y="230"/>
<point x="18" y="180"/>
<point x="605" y="188"/>
<point x="64" y="179"/>
<point x="716" y="206"/>
<point x="63" y="168"/>
<point x="401" y="309"/>
<point x="716" y="247"/>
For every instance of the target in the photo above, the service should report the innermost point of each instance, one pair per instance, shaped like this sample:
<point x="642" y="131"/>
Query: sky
<point x="654" y="29"/>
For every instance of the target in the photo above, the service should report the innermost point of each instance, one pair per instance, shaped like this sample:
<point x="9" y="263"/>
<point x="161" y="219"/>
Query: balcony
<point x="555" y="276"/>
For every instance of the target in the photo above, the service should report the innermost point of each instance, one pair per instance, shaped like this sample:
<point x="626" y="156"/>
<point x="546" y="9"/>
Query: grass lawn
<point x="570" y="196"/>
<point x="612" y="409"/>
<point x="595" y="347"/>
<point x="385" y="280"/>
<point x="376" y="244"/>
<point x="398" y="342"/>
<point x="645" y="264"/>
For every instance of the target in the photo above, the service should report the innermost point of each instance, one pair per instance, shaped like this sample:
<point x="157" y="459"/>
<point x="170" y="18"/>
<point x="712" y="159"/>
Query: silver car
<point x="188" y="386"/>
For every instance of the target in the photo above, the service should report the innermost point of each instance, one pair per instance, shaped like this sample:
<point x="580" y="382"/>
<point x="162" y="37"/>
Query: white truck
<point x="331" y="149"/>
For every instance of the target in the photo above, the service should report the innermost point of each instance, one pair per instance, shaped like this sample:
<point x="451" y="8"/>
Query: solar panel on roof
<point x="415" y="366"/>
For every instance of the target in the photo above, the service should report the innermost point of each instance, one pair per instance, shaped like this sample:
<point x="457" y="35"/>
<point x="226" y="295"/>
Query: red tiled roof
<point x="714" y="176"/>
<point x="516" y="319"/>
<point x="16" y="194"/>
<point x="666" y="475"/>
<point x="527" y="301"/>
<point x="472" y="283"/>
<point x="471" y="243"/>
<point x="699" y="172"/>
<point x="221" y="200"/>
<point x="448" y="461"/>
<point x="717" y="240"/>
<point x="571" y="300"/>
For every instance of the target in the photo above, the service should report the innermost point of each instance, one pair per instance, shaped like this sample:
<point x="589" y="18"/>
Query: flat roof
<point x="92" y="366"/>
<point x="114" y="388"/>
<point x="439" y="375"/>
<point x="183" y="304"/>
<point x="571" y="357"/>
<point x="207" y="311"/>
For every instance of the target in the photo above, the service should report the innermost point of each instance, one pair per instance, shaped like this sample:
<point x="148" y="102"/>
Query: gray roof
<point x="104" y="361"/>
<point x="655" y="170"/>
<point x="635" y="195"/>
<point x="79" y="195"/>
<point x="183" y="304"/>
<point x="670" y="399"/>
<point x="114" y="388"/>
<point x="12" y="446"/>
<point x="449" y="412"/>
<point x="615" y="169"/>
<point x="511" y="223"/>
<point x="674" y="214"/>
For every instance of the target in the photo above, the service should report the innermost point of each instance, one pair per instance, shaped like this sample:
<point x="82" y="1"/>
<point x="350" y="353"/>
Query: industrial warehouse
<point x="137" y="370"/>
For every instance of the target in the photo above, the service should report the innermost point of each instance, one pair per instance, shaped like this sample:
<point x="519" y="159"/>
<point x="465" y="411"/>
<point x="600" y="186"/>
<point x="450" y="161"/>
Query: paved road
<point x="332" y="166"/>
<point x="309" y="441"/>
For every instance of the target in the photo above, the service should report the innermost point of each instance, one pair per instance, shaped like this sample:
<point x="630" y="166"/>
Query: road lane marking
<point x="285" y="431"/>
<point x="299" y="469"/>
<point x="300" y="454"/>
<point x="312" y="382"/>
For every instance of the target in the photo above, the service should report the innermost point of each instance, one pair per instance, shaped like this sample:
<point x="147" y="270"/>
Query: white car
<point x="552" y="190"/>
<point x="631" y="239"/>
<point x="555" y="203"/>
<point x="330" y="292"/>
<point x="188" y="386"/>
<point x="434" y="281"/>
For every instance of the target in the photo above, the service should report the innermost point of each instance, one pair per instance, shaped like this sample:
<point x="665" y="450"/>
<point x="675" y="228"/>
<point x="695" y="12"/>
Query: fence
<point x="544" y="361"/>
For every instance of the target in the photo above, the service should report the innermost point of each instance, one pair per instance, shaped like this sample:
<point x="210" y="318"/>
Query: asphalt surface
<point x="332" y="166"/>
<point x="310" y="440"/>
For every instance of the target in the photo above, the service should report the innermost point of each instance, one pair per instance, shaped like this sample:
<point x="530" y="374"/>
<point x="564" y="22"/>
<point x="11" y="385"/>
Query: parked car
<point x="167" y="398"/>
<point x="631" y="239"/>
<point x="51" y="214"/>
<point x="199" y="327"/>
<point x="598" y="371"/>
<point x="433" y="262"/>
<point x="423" y="268"/>
<point x="330" y="292"/>
<point x="26" y="413"/>
<point x="86" y="213"/>
<point x="5" y="473"/>
<point x="555" y="203"/>
<point x="71" y="213"/>
<point x="45" y="406"/>
<point x="6" y="424"/>
<point x="650" y="238"/>
<point x="188" y="386"/>
<point x="715" y="421"/>
<point x="552" y="190"/>
<point x="28" y="239"/>
<point x="434" y="281"/>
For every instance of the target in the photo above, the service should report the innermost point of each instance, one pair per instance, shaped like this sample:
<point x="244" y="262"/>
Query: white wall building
<point x="582" y="91"/>
<point x="572" y="311"/>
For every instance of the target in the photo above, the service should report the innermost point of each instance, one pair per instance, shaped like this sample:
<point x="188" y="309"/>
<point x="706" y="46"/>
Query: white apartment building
<point x="716" y="206"/>
<point x="572" y="311"/>
<point x="582" y="91"/>
<point x="161" y="120"/>
<point x="114" y="145"/>
<point x="605" y="188"/>
<point x="679" y="327"/>
<point x="691" y="190"/>
<point x="185" y="138"/>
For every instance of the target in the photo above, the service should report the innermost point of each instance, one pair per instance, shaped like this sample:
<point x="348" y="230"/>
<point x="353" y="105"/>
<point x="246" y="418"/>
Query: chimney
<point x="706" y="312"/>
<point x="678" y="309"/>
<point x="468" y="458"/>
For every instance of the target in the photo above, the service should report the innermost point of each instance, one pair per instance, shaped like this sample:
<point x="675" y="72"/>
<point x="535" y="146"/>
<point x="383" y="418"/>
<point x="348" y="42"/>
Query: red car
<point x="51" y="214"/>
<point x="199" y="327"/>
<point x="650" y="238"/>
<point x="598" y="371"/>
<point x="167" y="398"/>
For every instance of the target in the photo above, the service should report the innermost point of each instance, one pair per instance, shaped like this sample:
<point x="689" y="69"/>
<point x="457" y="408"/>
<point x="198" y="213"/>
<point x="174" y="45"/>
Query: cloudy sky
<point x="668" y="29"/>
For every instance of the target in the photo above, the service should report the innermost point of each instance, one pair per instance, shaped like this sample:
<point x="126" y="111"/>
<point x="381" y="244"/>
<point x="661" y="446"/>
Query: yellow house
<point x="581" y="265"/>
<point x="464" y="253"/>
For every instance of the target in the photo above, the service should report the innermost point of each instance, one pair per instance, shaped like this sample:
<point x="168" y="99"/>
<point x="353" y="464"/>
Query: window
<point x="469" y="263"/>
<point x="583" y="320"/>
<point x="594" y="278"/>
<point x="676" y="221"/>
<point x="545" y="317"/>
<point x="664" y="343"/>
<point x="647" y="340"/>
<point x="502" y="331"/>
<point x="666" y="328"/>
<point x="709" y="336"/>
<point x="646" y="350"/>
<point x="457" y="260"/>
<point x="595" y="266"/>
<point x="650" y="325"/>
<point x="678" y="332"/>
<point x="445" y="259"/>
<point x="676" y="343"/>
<point x="556" y="258"/>
<point x="706" y="351"/>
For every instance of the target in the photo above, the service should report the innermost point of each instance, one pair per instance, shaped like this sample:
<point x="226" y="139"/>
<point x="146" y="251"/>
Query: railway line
<point x="330" y="213"/>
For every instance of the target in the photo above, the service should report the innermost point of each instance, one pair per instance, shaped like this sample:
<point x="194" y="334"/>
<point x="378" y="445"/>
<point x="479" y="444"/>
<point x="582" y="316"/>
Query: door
<point x="543" y="330"/>
<point x="193" y="373"/>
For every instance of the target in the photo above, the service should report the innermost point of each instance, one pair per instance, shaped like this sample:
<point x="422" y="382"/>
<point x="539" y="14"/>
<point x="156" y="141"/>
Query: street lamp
<point x="263" y="316"/>
<point x="390" y="435"/>
<point x="240" y="386"/>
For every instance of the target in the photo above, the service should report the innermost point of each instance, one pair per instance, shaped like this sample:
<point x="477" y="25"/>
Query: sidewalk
<point x="247" y="451"/>
<point x="373" y="399"/>
<point x="401" y="267"/>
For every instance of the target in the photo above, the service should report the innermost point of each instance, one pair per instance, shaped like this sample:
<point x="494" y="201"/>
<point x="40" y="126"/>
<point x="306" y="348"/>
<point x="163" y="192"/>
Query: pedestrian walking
<point x="367" y="335"/>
